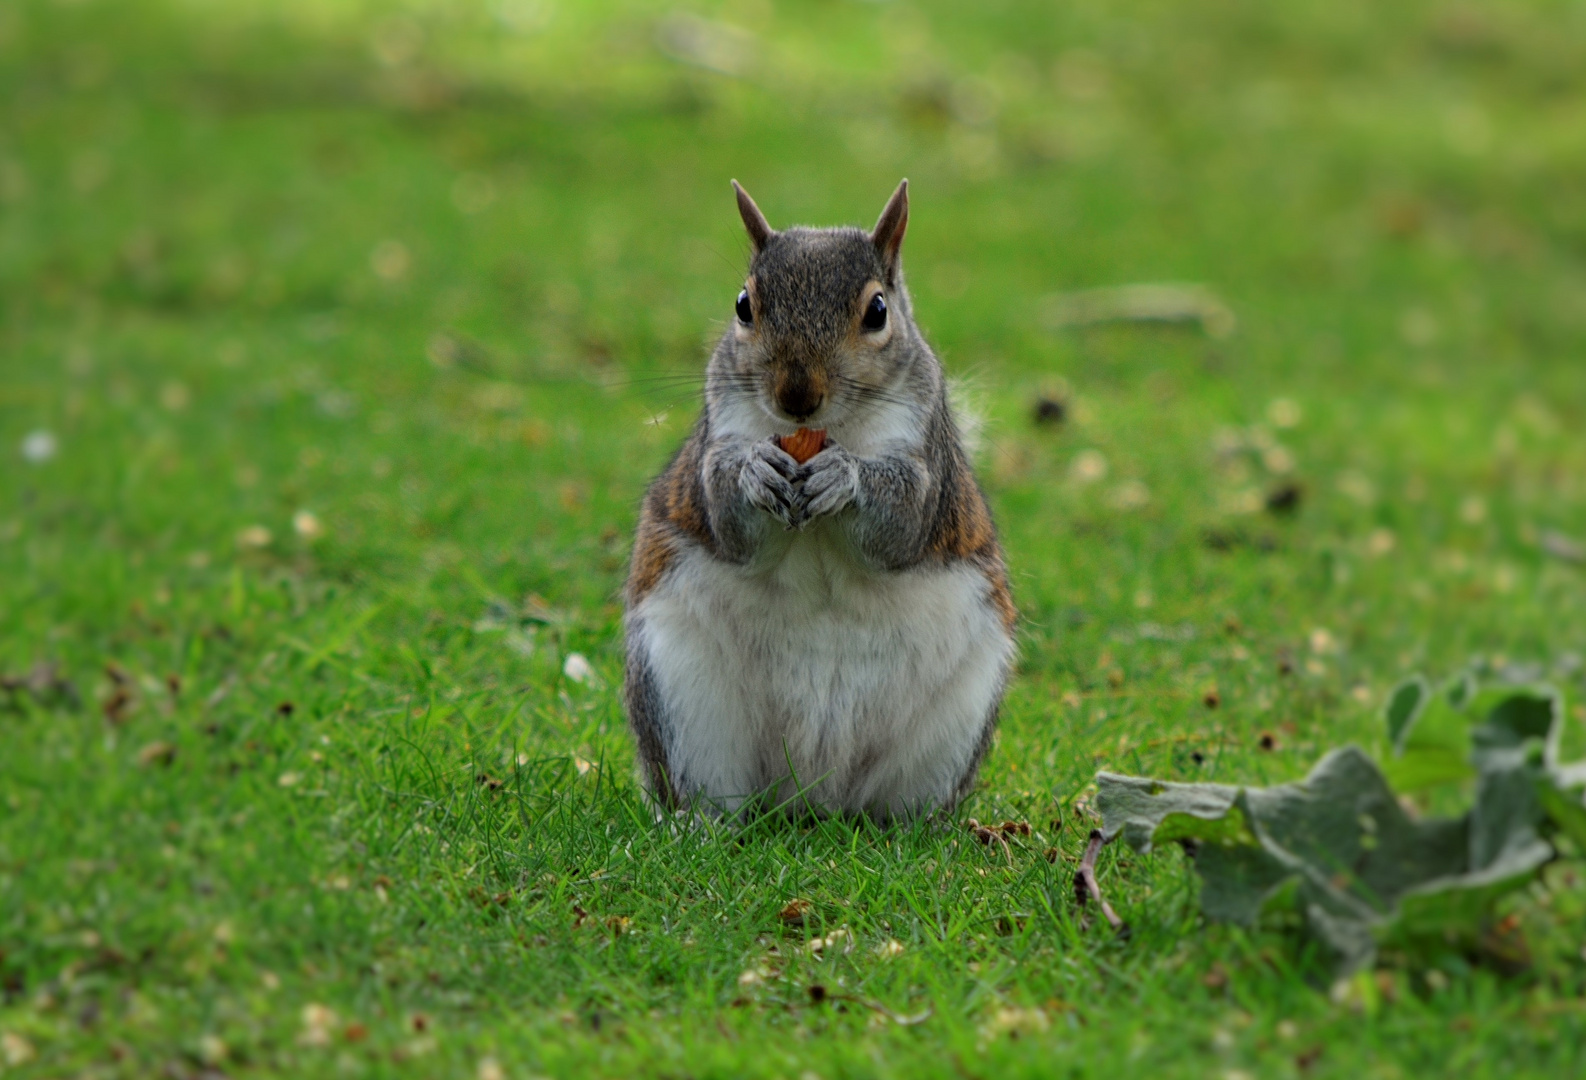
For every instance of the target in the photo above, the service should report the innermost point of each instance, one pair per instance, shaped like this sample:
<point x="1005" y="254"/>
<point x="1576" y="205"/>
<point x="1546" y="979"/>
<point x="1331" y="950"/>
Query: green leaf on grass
<point x="1340" y="850"/>
<point x="1429" y="738"/>
<point x="1565" y="804"/>
<point x="1404" y="708"/>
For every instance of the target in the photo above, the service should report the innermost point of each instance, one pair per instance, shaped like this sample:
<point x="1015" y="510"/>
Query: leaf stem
<point x="1086" y="888"/>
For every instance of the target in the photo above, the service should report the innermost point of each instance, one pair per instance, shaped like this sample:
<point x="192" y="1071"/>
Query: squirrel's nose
<point x="800" y="397"/>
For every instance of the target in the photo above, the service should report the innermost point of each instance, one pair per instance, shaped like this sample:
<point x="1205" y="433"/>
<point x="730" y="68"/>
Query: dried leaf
<point x="539" y="610"/>
<point x="828" y="945"/>
<point x="578" y="668"/>
<point x="318" y="1020"/>
<point x="17" y="1050"/>
<point x="1016" y="1023"/>
<point x="157" y="753"/>
<point x="118" y="706"/>
<point x="794" y="912"/>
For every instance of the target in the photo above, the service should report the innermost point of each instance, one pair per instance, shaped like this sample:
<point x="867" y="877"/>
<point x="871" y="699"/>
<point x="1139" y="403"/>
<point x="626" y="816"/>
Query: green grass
<point x="279" y="858"/>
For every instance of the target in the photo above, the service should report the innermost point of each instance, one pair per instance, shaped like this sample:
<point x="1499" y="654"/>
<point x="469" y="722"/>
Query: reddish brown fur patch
<point x="674" y="504"/>
<point x="678" y="496"/>
<point x="652" y="554"/>
<point x="965" y="528"/>
<point x="966" y="532"/>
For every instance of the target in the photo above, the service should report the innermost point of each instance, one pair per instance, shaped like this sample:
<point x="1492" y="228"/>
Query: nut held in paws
<point x="803" y="444"/>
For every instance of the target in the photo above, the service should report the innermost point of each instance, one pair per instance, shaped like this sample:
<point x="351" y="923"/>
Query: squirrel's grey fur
<point x="836" y="633"/>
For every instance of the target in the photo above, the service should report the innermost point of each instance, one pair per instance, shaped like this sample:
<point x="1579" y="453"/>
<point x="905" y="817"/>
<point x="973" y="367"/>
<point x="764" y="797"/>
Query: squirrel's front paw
<point x="831" y="482"/>
<point x="767" y="482"/>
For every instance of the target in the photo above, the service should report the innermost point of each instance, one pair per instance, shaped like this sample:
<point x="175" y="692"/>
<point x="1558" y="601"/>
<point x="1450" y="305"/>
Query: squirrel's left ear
<point x="889" y="230"/>
<point x="754" y="221"/>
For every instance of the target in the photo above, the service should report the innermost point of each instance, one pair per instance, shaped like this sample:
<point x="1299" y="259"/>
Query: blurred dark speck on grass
<point x="1285" y="499"/>
<point x="1050" y="411"/>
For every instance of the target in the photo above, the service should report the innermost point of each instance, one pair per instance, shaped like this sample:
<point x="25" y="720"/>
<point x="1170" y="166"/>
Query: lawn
<point x="338" y="341"/>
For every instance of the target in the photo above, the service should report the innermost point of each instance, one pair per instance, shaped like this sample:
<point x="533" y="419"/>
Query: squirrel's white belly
<point x="873" y="690"/>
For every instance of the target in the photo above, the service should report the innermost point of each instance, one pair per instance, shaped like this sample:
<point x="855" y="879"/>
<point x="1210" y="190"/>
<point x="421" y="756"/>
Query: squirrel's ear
<point x="754" y="221"/>
<point x="889" y="230"/>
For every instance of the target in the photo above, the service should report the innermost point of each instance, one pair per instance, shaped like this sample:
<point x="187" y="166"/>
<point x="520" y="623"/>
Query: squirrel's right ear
<point x="754" y="221"/>
<point x="889" y="230"/>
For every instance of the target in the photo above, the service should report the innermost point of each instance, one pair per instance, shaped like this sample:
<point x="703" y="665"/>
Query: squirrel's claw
<point x="770" y="451"/>
<point x="766" y="488"/>
<point x="830" y="482"/>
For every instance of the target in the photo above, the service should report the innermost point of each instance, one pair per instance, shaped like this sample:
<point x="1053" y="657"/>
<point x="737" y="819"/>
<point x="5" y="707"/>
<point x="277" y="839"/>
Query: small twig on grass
<point x="987" y="835"/>
<point x="1085" y="887"/>
<point x="1000" y="833"/>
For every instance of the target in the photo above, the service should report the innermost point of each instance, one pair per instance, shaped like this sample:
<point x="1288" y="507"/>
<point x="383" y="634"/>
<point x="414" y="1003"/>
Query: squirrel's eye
<point x="875" y="313"/>
<point x="745" y="312"/>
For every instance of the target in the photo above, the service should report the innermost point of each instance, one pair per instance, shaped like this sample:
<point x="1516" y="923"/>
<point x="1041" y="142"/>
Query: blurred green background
<point x="338" y="340"/>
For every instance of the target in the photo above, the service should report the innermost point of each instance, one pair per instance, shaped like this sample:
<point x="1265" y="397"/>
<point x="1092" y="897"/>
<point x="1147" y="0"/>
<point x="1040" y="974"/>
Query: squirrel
<point x="835" y="635"/>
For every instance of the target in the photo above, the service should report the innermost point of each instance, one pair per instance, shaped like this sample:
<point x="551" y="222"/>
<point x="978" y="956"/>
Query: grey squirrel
<point x="835" y="634"/>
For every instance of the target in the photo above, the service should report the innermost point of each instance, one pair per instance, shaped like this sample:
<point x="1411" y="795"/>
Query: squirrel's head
<point x="821" y="326"/>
